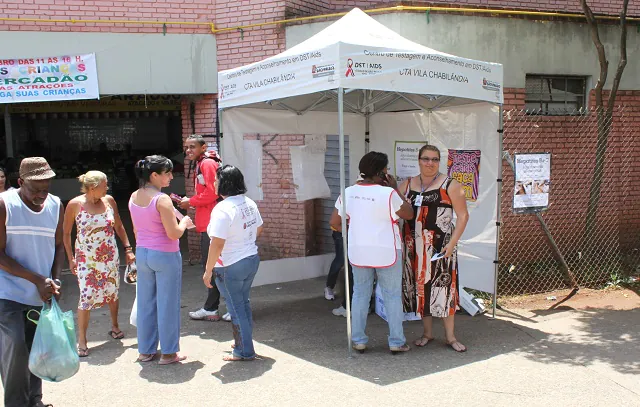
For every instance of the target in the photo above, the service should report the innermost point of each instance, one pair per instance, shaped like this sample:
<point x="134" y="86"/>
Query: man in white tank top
<point x="31" y="258"/>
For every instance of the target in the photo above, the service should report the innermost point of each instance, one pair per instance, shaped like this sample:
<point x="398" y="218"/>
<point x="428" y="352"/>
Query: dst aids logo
<point x="350" y="68"/>
<point x="226" y="90"/>
<point x="318" y="71"/>
<point x="362" y="68"/>
<point x="490" y="85"/>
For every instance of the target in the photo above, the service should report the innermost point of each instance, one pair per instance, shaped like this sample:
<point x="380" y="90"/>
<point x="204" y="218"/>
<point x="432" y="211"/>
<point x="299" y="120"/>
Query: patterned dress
<point x="430" y="288"/>
<point x="97" y="260"/>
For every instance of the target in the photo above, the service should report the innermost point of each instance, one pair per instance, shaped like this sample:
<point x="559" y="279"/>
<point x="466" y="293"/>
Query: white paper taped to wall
<point x="307" y="165"/>
<point x="252" y="170"/>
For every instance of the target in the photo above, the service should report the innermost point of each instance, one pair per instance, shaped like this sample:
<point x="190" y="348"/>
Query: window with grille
<point x="555" y="95"/>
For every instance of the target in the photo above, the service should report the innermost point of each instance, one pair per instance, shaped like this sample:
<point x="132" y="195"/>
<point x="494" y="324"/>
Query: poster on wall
<point x="464" y="167"/>
<point x="69" y="77"/>
<point x="532" y="182"/>
<point x="406" y="159"/>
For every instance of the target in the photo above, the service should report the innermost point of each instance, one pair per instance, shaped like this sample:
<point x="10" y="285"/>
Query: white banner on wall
<point x="46" y="79"/>
<point x="532" y="182"/>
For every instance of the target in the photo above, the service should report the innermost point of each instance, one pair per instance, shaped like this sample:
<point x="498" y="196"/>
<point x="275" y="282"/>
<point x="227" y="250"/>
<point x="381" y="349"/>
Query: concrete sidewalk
<point x="564" y="358"/>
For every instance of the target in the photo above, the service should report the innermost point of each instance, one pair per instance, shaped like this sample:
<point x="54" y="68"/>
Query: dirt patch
<point x="615" y="299"/>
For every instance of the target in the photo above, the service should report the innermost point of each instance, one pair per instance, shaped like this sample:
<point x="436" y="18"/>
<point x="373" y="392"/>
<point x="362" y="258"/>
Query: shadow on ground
<point x="294" y="318"/>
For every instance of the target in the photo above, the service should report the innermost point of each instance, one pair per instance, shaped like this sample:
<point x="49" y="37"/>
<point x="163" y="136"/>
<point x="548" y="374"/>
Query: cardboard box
<point x="471" y="305"/>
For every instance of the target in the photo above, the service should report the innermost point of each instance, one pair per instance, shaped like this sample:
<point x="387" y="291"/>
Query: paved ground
<point x="543" y="358"/>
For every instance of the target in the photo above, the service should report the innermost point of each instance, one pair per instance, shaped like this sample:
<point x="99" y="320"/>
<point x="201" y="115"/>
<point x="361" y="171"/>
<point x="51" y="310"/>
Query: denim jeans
<point x="21" y="387"/>
<point x="158" y="294"/>
<point x="390" y="281"/>
<point x="213" y="295"/>
<point x="234" y="283"/>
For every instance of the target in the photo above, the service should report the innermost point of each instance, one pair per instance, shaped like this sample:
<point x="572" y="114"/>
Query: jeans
<point x="213" y="296"/>
<point x="390" y="281"/>
<point x="158" y="294"/>
<point x="338" y="261"/>
<point x="336" y="265"/>
<point x="234" y="282"/>
<point x="21" y="388"/>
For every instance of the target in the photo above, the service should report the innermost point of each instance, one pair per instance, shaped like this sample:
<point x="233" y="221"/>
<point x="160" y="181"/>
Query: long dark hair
<point x="153" y="163"/>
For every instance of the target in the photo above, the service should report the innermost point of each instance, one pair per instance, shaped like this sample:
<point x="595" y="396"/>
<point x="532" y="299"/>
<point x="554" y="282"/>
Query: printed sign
<point x="532" y="182"/>
<point x="406" y="159"/>
<point x="70" y="77"/>
<point x="464" y="167"/>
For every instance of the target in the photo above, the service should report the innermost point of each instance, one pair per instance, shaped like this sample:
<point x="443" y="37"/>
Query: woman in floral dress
<point x="95" y="260"/>
<point x="431" y="287"/>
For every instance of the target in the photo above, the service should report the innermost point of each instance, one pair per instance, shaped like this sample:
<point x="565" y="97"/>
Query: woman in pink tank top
<point x="159" y="261"/>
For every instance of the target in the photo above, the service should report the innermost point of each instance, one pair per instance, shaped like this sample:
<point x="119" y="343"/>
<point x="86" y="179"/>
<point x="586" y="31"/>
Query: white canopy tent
<point x="384" y="89"/>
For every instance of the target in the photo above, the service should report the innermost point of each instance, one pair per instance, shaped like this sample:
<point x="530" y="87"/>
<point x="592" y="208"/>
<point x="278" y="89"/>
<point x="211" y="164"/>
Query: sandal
<point x="422" y="341"/>
<point x="116" y="335"/>
<point x="175" y="359"/>
<point x="232" y="358"/>
<point x="460" y="349"/>
<point x="83" y="352"/>
<point x="145" y="358"/>
<point x="399" y="349"/>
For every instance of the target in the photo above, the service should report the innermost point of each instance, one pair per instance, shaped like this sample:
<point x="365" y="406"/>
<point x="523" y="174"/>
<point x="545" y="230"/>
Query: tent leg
<point x="343" y="186"/>
<point x="496" y="262"/>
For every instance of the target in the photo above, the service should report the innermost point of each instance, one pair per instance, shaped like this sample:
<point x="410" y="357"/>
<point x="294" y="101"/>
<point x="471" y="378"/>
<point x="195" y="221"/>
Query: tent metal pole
<point x="496" y="262"/>
<point x="343" y="186"/>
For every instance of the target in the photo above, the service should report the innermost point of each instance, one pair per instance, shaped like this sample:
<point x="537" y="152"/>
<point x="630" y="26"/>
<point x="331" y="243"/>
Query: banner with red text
<point x="464" y="167"/>
<point x="45" y="79"/>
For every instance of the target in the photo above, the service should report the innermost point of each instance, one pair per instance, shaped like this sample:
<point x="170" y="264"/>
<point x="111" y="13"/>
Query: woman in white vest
<point x="373" y="209"/>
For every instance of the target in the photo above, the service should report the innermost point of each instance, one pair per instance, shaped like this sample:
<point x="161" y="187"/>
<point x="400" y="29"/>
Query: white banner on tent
<point x="358" y="52"/>
<point x="418" y="72"/>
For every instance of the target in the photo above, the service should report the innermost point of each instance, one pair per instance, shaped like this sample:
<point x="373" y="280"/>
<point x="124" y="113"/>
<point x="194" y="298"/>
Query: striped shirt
<point x="30" y="242"/>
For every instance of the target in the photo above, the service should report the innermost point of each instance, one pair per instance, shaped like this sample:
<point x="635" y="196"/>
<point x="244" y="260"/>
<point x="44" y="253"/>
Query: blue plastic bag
<point x="53" y="354"/>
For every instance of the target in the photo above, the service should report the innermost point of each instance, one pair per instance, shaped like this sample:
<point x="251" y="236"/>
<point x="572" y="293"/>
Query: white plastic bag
<point x="133" y="319"/>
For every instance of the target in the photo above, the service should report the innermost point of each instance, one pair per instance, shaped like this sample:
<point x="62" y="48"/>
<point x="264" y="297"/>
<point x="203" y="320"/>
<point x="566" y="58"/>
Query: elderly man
<point x="31" y="258"/>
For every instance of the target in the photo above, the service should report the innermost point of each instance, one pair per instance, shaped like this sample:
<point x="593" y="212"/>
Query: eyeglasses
<point x="427" y="159"/>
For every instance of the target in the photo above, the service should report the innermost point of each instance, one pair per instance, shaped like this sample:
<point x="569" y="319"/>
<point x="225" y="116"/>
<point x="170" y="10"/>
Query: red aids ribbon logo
<point x="349" y="68"/>
<point x="221" y="93"/>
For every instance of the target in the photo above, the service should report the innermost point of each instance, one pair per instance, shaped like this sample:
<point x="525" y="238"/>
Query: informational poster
<point x="464" y="167"/>
<point x="68" y="77"/>
<point x="532" y="182"/>
<point x="406" y="159"/>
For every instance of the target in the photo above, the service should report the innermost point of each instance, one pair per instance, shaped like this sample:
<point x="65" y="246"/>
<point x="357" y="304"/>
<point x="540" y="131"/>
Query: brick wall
<point x="205" y="123"/>
<point x="284" y="218"/>
<point x="572" y="143"/>
<point x="230" y="14"/>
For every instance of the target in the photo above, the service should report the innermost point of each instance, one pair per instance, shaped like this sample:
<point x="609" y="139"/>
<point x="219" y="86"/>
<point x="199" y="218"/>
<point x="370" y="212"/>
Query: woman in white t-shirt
<point x="373" y="209"/>
<point x="234" y="227"/>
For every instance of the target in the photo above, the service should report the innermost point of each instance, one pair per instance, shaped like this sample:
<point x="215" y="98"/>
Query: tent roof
<point x="358" y="52"/>
<point x="358" y="28"/>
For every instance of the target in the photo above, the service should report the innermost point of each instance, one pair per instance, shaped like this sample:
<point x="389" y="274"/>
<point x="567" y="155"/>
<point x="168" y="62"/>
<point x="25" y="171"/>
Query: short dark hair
<point x="428" y="147"/>
<point x="197" y="138"/>
<point x="372" y="164"/>
<point x="153" y="163"/>
<point x="230" y="181"/>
